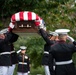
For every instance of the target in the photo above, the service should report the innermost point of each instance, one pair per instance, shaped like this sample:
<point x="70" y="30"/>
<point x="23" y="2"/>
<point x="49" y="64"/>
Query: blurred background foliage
<point x="55" y="13"/>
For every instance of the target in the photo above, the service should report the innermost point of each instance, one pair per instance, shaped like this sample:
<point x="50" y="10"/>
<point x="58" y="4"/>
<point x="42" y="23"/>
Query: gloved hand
<point x="4" y="31"/>
<point x="42" y="27"/>
<point x="18" y="51"/>
<point x="28" y="71"/>
<point x="70" y="38"/>
<point x="54" y="67"/>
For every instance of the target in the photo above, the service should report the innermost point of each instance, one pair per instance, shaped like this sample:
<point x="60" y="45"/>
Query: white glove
<point x="18" y="51"/>
<point x="70" y="38"/>
<point x="28" y="71"/>
<point x="54" y="67"/>
<point x="42" y="27"/>
<point x="4" y="31"/>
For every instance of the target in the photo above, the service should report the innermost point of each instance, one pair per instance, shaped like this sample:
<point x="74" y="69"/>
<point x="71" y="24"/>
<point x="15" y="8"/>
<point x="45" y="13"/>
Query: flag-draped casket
<point x="25" y="16"/>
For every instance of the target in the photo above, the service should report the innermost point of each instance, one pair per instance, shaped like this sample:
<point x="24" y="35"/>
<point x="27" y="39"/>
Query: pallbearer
<point x="62" y="52"/>
<point x="13" y="53"/>
<point x="5" y="55"/>
<point x="50" y="38"/>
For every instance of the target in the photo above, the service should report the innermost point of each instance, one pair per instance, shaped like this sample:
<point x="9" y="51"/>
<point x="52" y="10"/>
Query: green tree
<point x="35" y="47"/>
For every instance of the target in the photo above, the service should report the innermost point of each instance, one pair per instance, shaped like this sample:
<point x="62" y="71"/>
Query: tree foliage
<point x="35" y="49"/>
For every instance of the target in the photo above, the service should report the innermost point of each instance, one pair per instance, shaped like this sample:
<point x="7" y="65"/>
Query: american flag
<point x="24" y="16"/>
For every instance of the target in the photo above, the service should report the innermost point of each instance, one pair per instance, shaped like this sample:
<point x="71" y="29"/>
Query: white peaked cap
<point x="4" y="31"/>
<point x="62" y="31"/>
<point x="53" y="33"/>
<point x="23" y="47"/>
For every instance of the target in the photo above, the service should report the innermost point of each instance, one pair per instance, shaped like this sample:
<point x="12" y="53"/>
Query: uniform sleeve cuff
<point x="74" y="42"/>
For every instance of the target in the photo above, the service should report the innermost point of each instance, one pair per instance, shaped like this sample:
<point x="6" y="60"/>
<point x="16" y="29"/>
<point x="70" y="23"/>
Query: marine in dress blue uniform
<point x="7" y="51"/>
<point x="23" y="62"/>
<point x="5" y="47"/>
<point x="62" y="53"/>
<point x="14" y="59"/>
<point x="50" y="40"/>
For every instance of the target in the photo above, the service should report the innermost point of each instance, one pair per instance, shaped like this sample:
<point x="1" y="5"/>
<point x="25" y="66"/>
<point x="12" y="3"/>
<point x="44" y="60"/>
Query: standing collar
<point x="61" y="41"/>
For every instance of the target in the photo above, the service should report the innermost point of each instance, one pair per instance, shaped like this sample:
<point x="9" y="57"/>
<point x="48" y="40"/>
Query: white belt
<point x="46" y="52"/>
<point x="64" y="62"/>
<point x="5" y="53"/>
<point x="12" y="52"/>
<point x="22" y="63"/>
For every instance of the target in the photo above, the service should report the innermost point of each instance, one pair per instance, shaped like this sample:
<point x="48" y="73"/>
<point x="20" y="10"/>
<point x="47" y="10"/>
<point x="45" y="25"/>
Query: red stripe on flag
<point x="13" y="18"/>
<point x="13" y="22"/>
<point x="37" y="23"/>
<point x="21" y="16"/>
<point x="29" y="15"/>
<point x="9" y="29"/>
<point x="37" y="17"/>
<point x="40" y="18"/>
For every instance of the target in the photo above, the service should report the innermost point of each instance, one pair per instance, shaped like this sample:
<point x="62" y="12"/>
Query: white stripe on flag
<point x="33" y="16"/>
<point x="17" y="17"/>
<point x="25" y="16"/>
<point x="11" y="25"/>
